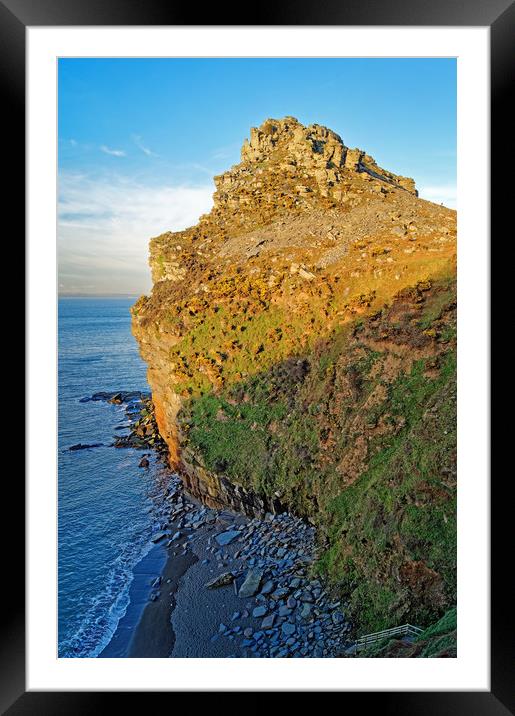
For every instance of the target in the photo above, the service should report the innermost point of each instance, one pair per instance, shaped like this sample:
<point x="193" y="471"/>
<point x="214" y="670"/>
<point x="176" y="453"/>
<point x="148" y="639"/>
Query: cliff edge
<point x="300" y="343"/>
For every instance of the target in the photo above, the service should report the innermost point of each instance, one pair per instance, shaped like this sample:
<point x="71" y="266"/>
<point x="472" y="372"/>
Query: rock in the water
<point x="251" y="583"/>
<point x="159" y="536"/>
<point x="144" y="462"/>
<point x="80" y="446"/>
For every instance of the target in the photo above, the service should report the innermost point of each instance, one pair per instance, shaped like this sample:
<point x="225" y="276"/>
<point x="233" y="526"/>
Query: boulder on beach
<point x="251" y="583"/>
<point x="225" y="538"/>
<point x="221" y="581"/>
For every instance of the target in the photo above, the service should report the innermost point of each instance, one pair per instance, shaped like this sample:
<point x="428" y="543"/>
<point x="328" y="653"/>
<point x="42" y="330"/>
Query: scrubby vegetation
<point x="359" y="435"/>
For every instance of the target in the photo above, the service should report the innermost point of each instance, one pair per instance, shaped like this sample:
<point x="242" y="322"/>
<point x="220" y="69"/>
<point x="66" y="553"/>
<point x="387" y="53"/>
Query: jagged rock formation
<point x="285" y="162"/>
<point x="280" y="335"/>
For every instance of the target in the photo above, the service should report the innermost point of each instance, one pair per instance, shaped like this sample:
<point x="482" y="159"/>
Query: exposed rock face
<point x="279" y="335"/>
<point x="285" y="160"/>
<point x="308" y="151"/>
<point x="298" y="197"/>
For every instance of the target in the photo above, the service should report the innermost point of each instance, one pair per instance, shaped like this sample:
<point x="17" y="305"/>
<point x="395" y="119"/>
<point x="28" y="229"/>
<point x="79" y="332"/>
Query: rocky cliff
<point x="300" y="343"/>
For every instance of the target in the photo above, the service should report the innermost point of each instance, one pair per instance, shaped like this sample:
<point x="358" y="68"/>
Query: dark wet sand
<point x="190" y="620"/>
<point x="145" y="630"/>
<point x="184" y="621"/>
<point x="154" y="636"/>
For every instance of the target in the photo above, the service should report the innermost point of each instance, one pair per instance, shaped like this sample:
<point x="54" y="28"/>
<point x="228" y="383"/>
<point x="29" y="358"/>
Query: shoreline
<point x="286" y="613"/>
<point x="145" y="572"/>
<point x="145" y="630"/>
<point x="154" y="636"/>
<point x="217" y="583"/>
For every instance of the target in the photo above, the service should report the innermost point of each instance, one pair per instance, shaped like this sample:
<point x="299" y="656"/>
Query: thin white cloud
<point x="226" y="152"/>
<point x="104" y="227"/>
<point x="439" y="194"/>
<point x="112" y="152"/>
<point x="139" y="143"/>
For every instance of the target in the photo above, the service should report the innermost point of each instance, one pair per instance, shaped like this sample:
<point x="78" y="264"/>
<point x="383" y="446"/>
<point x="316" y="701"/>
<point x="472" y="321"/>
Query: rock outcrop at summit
<point x="300" y="342"/>
<point x="284" y="159"/>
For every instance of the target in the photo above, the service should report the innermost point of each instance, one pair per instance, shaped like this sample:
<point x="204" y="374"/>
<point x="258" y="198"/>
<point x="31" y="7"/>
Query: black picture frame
<point x="499" y="15"/>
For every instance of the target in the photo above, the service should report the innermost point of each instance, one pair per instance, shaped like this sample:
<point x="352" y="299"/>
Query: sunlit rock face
<point x="306" y="238"/>
<point x="286" y="152"/>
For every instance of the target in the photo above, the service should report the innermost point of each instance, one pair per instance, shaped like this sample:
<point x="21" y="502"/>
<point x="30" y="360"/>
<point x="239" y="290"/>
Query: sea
<point x="108" y="507"/>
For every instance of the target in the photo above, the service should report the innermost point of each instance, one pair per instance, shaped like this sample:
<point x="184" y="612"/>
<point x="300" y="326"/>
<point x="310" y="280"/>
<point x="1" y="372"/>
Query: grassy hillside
<point x="358" y="433"/>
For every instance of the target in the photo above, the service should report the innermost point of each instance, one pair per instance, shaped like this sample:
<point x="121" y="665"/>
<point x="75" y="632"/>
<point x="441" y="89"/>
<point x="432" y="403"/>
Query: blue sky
<point x="140" y="140"/>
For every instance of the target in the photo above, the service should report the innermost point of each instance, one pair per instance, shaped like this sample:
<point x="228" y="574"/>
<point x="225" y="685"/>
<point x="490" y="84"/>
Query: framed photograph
<point x="258" y="293"/>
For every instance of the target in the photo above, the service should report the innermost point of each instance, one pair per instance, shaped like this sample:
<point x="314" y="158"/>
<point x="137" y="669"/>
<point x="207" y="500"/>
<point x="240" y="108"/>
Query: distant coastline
<point x="98" y="295"/>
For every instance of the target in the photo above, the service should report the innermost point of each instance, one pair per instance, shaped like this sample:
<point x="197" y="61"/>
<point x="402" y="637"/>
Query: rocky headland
<point x="301" y="349"/>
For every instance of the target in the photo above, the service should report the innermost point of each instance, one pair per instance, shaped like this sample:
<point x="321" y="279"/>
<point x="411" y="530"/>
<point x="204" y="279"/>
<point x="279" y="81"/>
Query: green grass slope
<point x="357" y="433"/>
